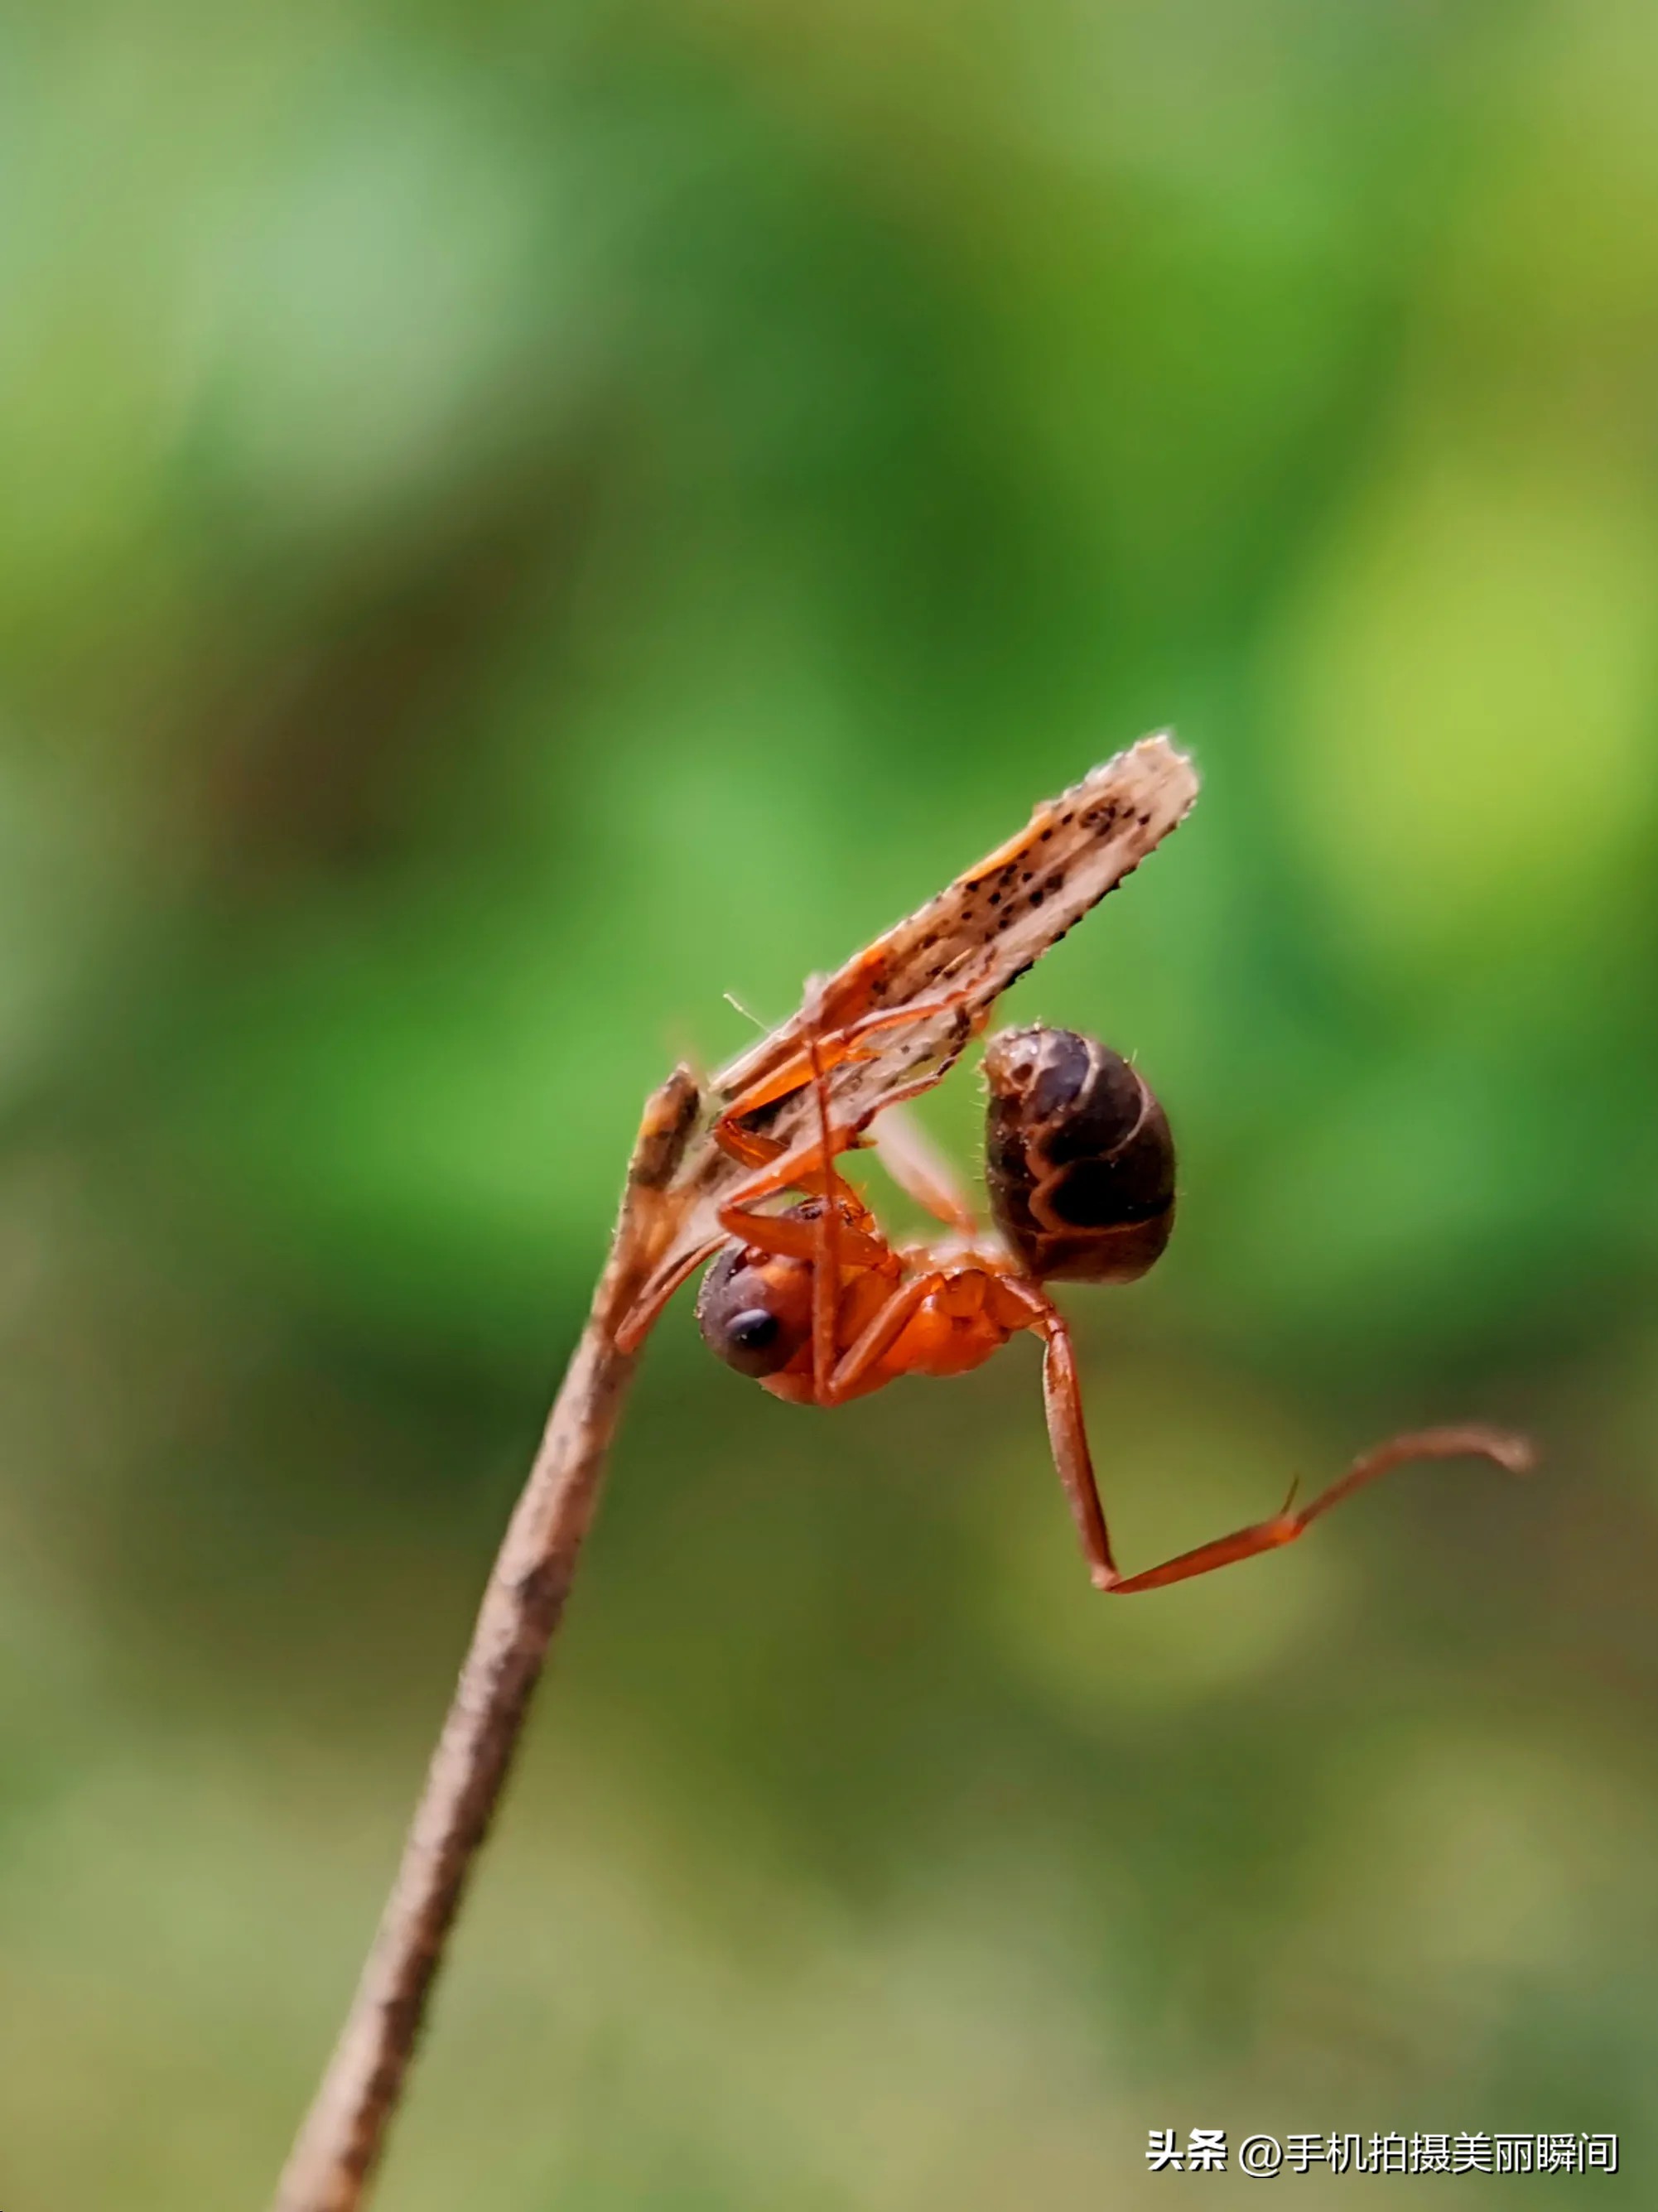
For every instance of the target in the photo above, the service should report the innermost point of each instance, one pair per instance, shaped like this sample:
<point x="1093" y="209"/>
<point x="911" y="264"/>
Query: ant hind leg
<point x="1473" y="1441"/>
<point x="1068" y="1438"/>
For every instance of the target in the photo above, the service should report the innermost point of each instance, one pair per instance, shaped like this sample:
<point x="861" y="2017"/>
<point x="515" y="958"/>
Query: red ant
<point x="816" y="1306"/>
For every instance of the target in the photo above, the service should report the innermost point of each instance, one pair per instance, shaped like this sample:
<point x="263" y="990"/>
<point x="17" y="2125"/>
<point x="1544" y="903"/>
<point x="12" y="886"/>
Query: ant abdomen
<point x="1079" y="1159"/>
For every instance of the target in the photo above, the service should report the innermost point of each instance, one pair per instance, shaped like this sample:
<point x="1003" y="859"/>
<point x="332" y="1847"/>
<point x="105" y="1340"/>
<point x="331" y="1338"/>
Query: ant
<point x="815" y="1304"/>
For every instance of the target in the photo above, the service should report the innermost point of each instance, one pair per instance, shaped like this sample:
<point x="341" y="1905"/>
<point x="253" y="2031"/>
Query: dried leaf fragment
<point x="965" y="947"/>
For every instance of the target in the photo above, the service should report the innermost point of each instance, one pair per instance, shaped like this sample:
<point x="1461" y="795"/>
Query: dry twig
<point x="969" y="944"/>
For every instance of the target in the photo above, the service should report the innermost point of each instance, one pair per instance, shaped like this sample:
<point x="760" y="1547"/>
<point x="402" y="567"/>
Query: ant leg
<point x="751" y="1149"/>
<point x="1068" y="1438"/>
<point x="795" y="1240"/>
<point x="802" y="1166"/>
<point x="807" y="1164"/>
<point x="908" y="1155"/>
<point x="879" y="1332"/>
<point x="920" y="1169"/>
<point x="1504" y="1450"/>
<point x="642" y="1314"/>
<point x="789" y="1238"/>
<point x="746" y="1146"/>
<point x="826" y="1257"/>
<point x="835" y="1047"/>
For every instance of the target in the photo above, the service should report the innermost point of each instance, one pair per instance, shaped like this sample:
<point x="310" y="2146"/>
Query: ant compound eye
<point x="752" y="1332"/>
<point x="755" y="1317"/>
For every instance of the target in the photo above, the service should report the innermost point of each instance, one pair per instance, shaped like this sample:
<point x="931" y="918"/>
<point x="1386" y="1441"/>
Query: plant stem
<point x="344" y="2131"/>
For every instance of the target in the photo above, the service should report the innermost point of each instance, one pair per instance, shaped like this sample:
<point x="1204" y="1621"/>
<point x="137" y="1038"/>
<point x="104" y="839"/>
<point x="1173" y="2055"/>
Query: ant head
<point x="755" y="1310"/>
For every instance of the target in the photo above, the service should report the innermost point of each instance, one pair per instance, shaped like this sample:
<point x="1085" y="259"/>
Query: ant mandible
<point x="815" y="1304"/>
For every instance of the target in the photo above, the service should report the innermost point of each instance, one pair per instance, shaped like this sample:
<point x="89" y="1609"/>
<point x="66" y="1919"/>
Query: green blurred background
<point x="520" y="520"/>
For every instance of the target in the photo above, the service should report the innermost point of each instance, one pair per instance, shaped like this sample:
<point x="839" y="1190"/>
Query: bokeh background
<point x="520" y="520"/>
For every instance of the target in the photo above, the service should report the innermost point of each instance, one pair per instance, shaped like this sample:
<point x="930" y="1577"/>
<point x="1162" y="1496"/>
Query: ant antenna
<point x="731" y="999"/>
